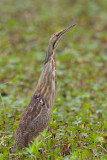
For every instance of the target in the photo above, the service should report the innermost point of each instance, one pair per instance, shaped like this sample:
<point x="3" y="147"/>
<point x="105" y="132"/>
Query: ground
<point x="78" y="126"/>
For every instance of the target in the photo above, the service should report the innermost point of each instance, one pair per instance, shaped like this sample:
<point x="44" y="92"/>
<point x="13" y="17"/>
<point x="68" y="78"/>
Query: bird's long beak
<point x="60" y="34"/>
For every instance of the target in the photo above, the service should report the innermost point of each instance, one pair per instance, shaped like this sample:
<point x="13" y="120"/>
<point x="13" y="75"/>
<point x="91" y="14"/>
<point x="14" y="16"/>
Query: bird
<point x="37" y="115"/>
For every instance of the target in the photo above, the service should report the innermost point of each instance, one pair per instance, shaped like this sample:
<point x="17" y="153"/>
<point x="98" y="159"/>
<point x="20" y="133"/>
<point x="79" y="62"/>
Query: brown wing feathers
<point x="27" y="127"/>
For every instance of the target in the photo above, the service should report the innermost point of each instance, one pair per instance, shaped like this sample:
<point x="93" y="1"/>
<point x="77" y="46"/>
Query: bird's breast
<point x="47" y="82"/>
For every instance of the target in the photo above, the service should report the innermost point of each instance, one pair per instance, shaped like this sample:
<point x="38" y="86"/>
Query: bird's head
<point x="54" y="40"/>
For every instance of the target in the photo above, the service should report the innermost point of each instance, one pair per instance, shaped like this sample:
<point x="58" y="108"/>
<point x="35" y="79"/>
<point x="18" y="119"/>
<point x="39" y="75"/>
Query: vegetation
<point x="78" y="127"/>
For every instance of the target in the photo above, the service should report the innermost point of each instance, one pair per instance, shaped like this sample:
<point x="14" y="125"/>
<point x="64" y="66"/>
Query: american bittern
<point x="36" y="116"/>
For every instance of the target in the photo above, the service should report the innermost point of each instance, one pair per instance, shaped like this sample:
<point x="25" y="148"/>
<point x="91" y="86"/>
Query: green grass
<point x="78" y="127"/>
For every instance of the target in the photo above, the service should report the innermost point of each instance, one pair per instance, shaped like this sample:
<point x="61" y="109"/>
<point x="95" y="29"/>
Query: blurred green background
<point x="81" y="58"/>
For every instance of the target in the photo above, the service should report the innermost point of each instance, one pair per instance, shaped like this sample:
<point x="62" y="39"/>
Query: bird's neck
<point x="47" y="81"/>
<point x="50" y="52"/>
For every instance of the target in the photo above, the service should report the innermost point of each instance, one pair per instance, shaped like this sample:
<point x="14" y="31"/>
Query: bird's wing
<point x="32" y="111"/>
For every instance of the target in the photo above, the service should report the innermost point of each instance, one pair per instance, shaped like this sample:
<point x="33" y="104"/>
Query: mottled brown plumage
<point x="36" y="116"/>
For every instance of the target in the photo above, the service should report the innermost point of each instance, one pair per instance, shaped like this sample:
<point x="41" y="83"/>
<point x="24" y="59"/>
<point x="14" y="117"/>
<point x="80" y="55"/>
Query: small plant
<point x="78" y="127"/>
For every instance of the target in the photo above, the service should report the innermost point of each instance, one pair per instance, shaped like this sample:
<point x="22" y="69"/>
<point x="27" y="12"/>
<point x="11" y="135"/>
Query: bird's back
<point x="33" y="120"/>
